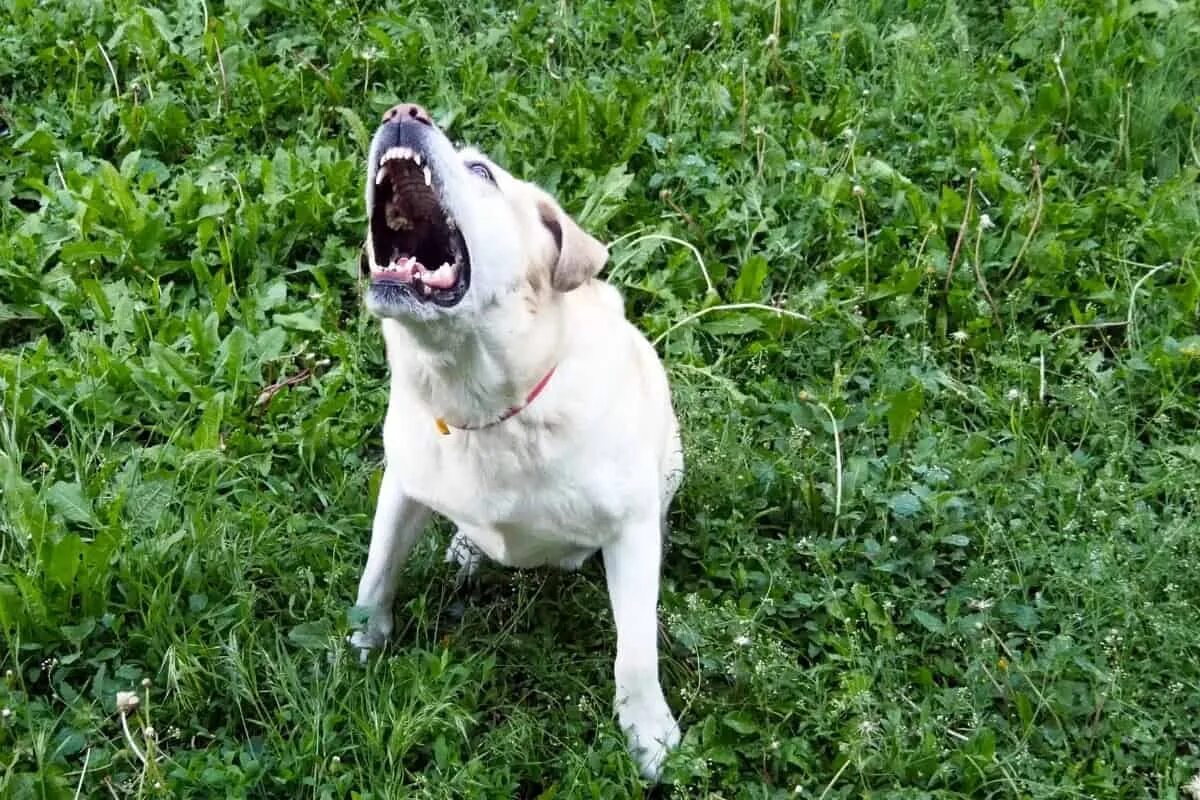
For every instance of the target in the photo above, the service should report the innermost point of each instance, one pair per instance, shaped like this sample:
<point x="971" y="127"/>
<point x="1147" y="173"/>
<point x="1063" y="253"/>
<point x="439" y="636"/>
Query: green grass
<point x="982" y="580"/>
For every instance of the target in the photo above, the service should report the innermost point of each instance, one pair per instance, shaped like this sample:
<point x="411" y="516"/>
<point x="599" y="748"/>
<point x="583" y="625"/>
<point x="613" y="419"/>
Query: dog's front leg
<point x="631" y="565"/>
<point x="398" y="521"/>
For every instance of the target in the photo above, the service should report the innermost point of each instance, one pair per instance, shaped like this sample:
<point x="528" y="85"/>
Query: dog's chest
<point x="523" y="498"/>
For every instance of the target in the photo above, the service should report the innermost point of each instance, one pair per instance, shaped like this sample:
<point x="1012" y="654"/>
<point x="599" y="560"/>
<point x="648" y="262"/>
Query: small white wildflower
<point x="1013" y="395"/>
<point x="960" y="336"/>
<point x="892" y="539"/>
<point x="771" y="41"/>
<point x="985" y="222"/>
<point x="336" y="759"/>
<point x="5" y="713"/>
<point x="158" y="786"/>
<point x="127" y="702"/>
<point x="982" y="604"/>
<point x="858" y="190"/>
<point x="1192" y="787"/>
<point x="742" y="640"/>
<point x="149" y="732"/>
<point x="145" y="683"/>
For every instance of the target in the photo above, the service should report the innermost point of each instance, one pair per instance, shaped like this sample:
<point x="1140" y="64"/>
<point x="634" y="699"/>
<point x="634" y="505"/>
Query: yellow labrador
<point x="523" y="405"/>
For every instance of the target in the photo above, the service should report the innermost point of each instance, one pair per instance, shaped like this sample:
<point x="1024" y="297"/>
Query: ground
<point x="940" y="536"/>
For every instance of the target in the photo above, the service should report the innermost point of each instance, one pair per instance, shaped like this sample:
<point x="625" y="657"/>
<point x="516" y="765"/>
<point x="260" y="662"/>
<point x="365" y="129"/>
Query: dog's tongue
<point x="405" y="269"/>
<point x="402" y="267"/>
<point x="441" y="278"/>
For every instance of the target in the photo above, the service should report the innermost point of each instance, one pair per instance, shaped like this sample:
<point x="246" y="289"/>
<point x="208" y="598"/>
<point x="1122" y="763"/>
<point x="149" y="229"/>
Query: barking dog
<point x="523" y="405"/>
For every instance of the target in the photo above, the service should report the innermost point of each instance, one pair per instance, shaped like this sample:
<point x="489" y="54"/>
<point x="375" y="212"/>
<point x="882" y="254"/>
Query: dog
<point x="523" y="406"/>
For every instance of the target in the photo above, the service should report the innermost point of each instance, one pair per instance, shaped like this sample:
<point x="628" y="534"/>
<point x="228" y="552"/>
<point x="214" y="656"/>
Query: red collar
<point x="444" y="427"/>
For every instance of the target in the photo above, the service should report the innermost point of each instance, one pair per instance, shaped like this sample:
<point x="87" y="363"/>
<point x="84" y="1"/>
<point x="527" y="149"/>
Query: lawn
<point x="940" y="535"/>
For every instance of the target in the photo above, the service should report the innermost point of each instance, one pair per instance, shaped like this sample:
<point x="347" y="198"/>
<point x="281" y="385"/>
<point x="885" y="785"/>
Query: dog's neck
<point x="471" y="373"/>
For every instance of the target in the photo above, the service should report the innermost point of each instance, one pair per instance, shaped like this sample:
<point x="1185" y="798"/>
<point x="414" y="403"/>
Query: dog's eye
<point x="481" y="169"/>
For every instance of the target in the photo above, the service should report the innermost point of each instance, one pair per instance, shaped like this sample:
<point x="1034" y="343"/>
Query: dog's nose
<point x="407" y="111"/>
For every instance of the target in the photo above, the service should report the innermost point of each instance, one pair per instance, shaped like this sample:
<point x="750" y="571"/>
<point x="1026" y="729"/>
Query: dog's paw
<point x="373" y="635"/>
<point x="651" y="732"/>
<point x="462" y="552"/>
<point x="363" y="642"/>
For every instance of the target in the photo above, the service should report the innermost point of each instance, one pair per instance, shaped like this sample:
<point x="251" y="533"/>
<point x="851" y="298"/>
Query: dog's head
<point x="450" y="233"/>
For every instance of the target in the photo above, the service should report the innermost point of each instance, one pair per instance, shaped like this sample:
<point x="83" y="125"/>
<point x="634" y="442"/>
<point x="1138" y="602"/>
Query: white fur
<point x="590" y="465"/>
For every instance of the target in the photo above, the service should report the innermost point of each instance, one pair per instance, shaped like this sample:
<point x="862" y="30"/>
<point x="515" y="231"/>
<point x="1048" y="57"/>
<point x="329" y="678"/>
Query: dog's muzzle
<point x="419" y="254"/>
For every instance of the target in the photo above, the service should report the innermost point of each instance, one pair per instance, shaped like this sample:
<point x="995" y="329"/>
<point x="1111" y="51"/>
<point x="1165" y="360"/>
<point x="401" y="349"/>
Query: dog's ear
<point x="580" y="255"/>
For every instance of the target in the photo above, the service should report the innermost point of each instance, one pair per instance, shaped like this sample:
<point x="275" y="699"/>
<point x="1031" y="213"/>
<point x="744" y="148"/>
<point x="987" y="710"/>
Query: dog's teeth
<point x="428" y="176"/>
<point x="417" y="158"/>
<point x="426" y="290"/>
<point x="379" y="176"/>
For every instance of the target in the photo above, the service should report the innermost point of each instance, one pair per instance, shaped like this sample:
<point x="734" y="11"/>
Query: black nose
<point x="406" y="111"/>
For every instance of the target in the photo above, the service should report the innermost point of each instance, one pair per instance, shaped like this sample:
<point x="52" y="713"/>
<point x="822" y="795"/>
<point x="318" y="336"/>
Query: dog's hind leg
<point x="672" y="477"/>
<point x="573" y="562"/>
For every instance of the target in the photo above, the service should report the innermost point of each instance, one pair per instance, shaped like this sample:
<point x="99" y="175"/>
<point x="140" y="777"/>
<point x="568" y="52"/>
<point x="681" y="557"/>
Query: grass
<point x="941" y="531"/>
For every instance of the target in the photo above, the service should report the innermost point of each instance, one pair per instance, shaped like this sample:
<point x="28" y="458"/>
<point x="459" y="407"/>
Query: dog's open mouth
<point x="417" y="245"/>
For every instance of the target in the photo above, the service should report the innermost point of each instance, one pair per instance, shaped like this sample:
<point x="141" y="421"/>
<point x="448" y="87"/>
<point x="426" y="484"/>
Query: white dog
<point x="524" y="407"/>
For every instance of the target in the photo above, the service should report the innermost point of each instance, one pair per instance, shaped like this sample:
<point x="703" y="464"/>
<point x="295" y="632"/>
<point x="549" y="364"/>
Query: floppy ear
<point x="580" y="255"/>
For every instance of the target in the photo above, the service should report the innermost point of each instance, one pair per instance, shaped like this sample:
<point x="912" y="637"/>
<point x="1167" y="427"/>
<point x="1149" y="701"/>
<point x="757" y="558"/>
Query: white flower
<point x="742" y="640"/>
<point x="127" y="702"/>
<point x="960" y="336"/>
<point x="1013" y="395"/>
<point x="858" y="190"/>
<point x="1192" y="787"/>
<point x="5" y="712"/>
<point x="985" y="222"/>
